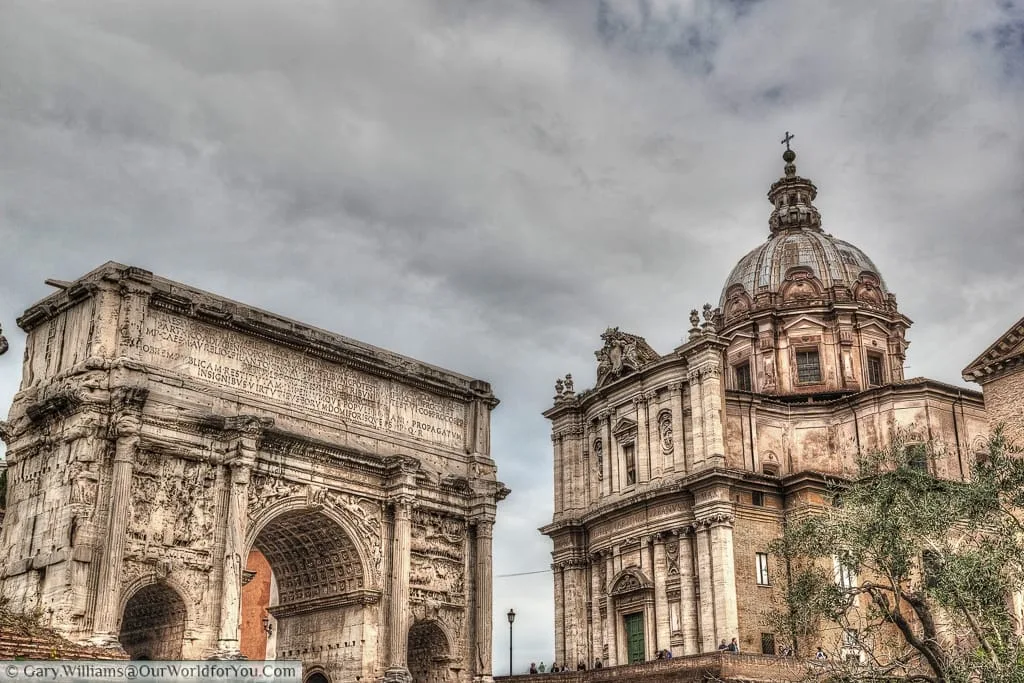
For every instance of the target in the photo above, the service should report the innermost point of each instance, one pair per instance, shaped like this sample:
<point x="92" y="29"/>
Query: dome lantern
<point x="792" y="197"/>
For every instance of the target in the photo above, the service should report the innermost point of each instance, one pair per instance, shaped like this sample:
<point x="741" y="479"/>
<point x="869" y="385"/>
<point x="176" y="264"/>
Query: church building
<point x="673" y="473"/>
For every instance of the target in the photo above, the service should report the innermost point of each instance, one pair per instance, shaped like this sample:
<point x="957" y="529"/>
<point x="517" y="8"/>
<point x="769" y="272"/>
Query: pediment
<point x="873" y="326"/>
<point x="1008" y="349"/>
<point x="624" y="426"/>
<point x="630" y="580"/>
<point x="806" y="321"/>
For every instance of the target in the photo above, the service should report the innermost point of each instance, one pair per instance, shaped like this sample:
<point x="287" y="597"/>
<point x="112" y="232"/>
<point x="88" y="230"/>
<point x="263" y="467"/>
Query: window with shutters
<point x="743" y="380"/>
<point x="629" y="453"/>
<point x="808" y="366"/>
<point x="762" y="569"/>
<point x="875" y="376"/>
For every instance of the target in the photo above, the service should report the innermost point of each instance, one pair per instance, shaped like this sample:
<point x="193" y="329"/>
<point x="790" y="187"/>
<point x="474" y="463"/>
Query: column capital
<point x="715" y="519"/>
<point x="650" y="395"/>
<point x="403" y="503"/>
<point x="484" y="526"/>
<point x="675" y="386"/>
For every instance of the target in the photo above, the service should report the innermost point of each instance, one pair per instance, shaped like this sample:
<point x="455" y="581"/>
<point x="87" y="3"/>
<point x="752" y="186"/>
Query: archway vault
<point x="153" y="623"/>
<point x="312" y="556"/>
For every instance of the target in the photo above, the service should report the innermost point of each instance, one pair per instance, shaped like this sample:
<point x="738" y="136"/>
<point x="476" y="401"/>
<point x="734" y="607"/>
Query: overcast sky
<point x="487" y="186"/>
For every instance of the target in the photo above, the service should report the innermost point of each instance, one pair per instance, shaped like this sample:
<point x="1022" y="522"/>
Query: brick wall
<point x="1004" y="403"/>
<point x="255" y="598"/>
<point x="692" y="669"/>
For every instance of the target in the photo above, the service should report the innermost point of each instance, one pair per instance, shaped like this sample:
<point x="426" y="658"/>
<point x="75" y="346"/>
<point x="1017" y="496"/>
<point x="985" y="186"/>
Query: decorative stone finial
<point x="709" y="315"/>
<point x="569" y="386"/>
<point x="559" y="389"/>
<point x="694" y="324"/>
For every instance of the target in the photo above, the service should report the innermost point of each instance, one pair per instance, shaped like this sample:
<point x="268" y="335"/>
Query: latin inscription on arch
<point x="259" y="368"/>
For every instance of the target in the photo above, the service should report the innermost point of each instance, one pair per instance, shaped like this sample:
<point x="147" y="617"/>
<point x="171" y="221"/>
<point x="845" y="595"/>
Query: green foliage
<point x="936" y="562"/>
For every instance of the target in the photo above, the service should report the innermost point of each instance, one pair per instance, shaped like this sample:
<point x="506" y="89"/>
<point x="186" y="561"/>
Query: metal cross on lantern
<point x="785" y="140"/>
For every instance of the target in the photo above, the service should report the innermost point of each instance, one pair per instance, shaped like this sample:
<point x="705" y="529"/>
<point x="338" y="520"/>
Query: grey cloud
<point x="487" y="186"/>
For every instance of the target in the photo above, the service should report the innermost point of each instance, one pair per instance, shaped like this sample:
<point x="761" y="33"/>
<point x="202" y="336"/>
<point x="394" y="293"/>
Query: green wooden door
<point x="635" y="637"/>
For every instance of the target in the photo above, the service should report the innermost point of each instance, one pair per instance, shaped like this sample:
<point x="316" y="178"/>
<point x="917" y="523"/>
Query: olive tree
<point x="910" y="576"/>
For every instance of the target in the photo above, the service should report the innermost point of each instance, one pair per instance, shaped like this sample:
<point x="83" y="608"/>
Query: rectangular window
<point x="917" y="456"/>
<point x="850" y="638"/>
<point x="875" y="377"/>
<point x="762" y="569"/>
<point x="767" y="643"/>
<point x="743" y="382"/>
<point x="757" y="498"/>
<point x="846" y="575"/>
<point x="629" y="453"/>
<point x="808" y="367"/>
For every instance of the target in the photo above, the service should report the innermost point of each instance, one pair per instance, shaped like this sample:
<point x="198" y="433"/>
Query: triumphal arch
<point x="162" y="433"/>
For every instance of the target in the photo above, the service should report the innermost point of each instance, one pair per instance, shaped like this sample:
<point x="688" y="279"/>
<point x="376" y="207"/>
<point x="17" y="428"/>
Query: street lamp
<point x="511" y="617"/>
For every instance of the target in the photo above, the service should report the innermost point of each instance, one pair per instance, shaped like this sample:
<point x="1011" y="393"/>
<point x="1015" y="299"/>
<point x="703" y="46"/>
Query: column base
<point x="227" y="653"/>
<point x="105" y="640"/>
<point x="397" y="674"/>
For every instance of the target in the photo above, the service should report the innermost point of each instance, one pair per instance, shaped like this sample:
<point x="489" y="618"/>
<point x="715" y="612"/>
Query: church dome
<point x="800" y="263"/>
<point x="832" y="261"/>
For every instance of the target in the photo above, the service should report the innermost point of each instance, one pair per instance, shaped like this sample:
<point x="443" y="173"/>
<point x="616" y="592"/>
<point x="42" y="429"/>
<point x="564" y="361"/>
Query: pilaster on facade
<point x="126" y="425"/>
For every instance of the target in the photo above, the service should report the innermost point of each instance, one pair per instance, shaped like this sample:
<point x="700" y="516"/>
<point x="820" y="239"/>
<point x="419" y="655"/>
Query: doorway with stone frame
<point x="632" y="596"/>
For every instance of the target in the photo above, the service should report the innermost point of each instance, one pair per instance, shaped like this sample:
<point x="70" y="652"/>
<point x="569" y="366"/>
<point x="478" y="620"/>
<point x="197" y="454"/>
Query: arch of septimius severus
<point x="161" y="433"/>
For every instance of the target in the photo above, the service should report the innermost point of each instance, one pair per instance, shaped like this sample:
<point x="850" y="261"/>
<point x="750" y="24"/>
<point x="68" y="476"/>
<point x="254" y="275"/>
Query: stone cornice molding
<point x="362" y="596"/>
<point x="208" y="308"/>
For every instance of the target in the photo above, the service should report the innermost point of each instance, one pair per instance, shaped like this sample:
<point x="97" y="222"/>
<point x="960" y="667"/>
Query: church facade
<point x="163" y="435"/>
<point x="673" y="473"/>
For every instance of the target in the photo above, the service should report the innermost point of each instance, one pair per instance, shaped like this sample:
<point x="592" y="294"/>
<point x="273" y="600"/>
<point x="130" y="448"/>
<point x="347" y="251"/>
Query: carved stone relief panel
<point x="172" y="503"/>
<point x="665" y="431"/>
<point x="672" y="556"/>
<point x="437" y="558"/>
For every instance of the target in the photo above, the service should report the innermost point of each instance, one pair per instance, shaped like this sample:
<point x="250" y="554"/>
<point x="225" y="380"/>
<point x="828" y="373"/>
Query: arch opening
<point x="428" y="653"/>
<point x="304" y="592"/>
<point x="153" y="623"/>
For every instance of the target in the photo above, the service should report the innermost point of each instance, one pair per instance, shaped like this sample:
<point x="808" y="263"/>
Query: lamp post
<point x="511" y="617"/>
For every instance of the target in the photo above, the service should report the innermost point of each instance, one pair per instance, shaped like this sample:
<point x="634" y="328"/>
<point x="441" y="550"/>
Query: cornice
<point x="918" y="386"/>
<point x="211" y="309"/>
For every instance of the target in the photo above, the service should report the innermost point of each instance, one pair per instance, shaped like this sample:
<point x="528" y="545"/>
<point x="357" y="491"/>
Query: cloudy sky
<point x="489" y="185"/>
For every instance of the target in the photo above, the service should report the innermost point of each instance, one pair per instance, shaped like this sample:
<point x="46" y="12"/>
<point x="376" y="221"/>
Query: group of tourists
<point x="556" y="668"/>
<point x="734" y="646"/>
